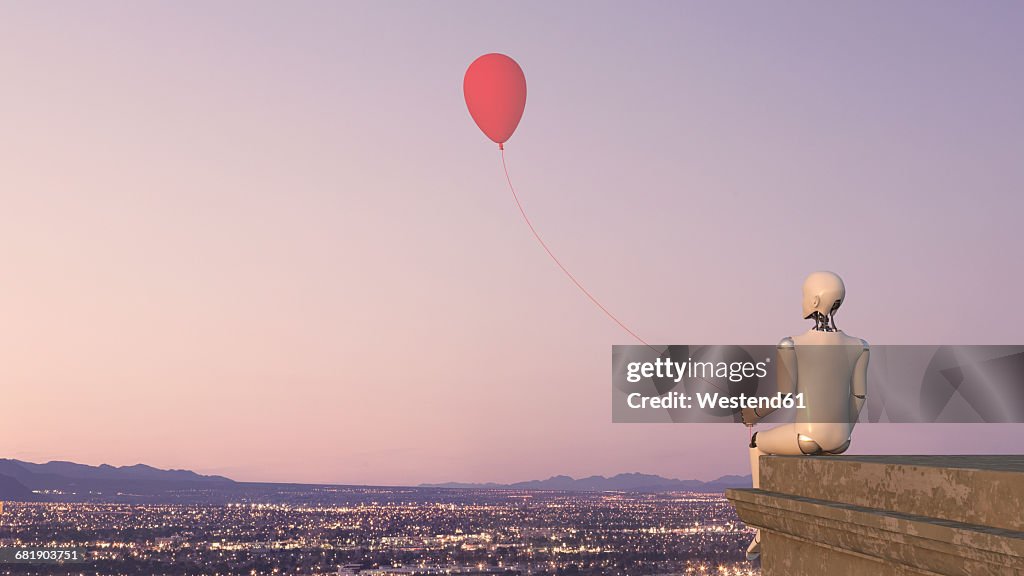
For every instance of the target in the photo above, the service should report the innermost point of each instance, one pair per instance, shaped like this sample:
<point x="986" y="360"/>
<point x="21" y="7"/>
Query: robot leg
<point x="779" y="440"/>
<point x="782" y="439"/>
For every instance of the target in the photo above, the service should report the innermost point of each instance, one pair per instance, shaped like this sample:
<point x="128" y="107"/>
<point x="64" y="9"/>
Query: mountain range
<point x="632" y="482"/>
<point x="21" y="481"/>
<point x="71" y="482"/>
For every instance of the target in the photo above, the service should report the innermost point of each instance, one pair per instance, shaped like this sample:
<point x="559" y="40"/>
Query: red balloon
<point x="495" y="91"/>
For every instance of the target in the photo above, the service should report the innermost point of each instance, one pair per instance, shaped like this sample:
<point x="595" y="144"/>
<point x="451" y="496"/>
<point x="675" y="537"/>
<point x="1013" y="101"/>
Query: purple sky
<point x="268" y="241"/>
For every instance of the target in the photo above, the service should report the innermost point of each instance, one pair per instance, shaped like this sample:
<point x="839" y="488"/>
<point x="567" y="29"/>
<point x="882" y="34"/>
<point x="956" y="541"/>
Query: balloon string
<point x="569" y="274"/>
<point x="555" y="259"/>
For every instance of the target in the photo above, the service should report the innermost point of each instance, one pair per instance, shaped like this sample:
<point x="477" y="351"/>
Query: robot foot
<point x="754" y="550"/>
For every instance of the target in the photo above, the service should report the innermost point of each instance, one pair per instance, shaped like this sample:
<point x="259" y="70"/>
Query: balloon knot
<point x="501" y="145"/>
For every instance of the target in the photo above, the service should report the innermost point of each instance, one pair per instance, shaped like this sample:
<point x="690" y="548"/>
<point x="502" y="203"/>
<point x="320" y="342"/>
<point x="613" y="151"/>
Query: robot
<point x="830" y="368"/>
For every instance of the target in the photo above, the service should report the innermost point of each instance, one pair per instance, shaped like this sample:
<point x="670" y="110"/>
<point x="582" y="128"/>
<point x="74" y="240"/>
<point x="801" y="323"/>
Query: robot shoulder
<point x="865" y="344"/>
<point x="786" y="342"/>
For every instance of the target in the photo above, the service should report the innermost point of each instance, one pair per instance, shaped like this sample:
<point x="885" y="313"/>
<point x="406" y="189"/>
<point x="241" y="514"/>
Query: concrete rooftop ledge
<point x="888" y="515"/>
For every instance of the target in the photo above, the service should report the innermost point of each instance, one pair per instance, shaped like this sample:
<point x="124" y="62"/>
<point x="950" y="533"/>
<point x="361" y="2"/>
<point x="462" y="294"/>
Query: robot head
<point x="823" y="293"/>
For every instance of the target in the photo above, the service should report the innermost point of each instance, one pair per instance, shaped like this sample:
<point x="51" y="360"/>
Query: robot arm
<point x="786" y="379"/>
<point x="859" y="390"/>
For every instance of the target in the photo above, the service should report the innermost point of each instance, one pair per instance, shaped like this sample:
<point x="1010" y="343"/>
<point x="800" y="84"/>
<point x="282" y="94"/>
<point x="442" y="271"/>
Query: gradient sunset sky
<point x="266" y="240"/>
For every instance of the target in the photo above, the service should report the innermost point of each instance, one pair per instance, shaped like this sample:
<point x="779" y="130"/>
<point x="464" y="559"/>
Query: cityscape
<point x="331" y="530"/>
<point x="342" y="288"/>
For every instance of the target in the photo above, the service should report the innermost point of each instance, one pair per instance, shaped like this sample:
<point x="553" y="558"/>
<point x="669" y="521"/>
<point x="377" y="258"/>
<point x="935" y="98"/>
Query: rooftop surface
<point x="996" y="462"/>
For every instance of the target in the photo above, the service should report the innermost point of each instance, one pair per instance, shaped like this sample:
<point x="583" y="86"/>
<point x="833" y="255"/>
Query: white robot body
<point x="830" y="369"/>
<point x="831" y="380"/>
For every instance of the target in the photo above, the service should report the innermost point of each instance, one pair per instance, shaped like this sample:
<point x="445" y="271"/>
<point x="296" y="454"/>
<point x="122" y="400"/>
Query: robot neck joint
<point x="825" y="323"/>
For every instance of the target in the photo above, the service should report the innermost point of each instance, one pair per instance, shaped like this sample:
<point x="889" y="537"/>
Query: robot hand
<point x="749" y="416"/>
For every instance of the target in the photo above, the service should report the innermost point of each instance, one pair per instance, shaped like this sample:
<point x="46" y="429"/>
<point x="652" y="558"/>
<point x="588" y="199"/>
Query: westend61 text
<point x="715" y="400"/>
